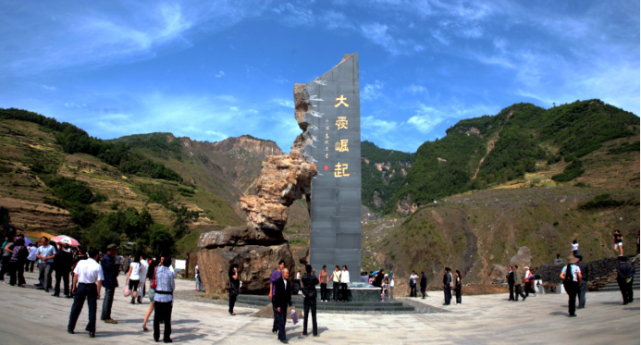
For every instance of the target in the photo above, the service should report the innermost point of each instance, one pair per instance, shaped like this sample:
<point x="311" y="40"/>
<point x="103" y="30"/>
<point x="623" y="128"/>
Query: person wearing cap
<point x="625" y="278"/>
<point x="87" y="281"/>
<point x="571" y="275"/>
<point x="110" y="272"/>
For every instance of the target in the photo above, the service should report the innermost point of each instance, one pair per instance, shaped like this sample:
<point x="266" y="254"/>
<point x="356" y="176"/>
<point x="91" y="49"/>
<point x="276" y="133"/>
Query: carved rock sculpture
<point x="258" y="247"/>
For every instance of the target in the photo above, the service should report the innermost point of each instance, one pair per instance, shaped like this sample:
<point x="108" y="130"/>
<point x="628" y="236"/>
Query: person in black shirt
<point x="62" y="263"/>
<point x="423" y="284"/>
<point x="309" y="293"/>
<point x="510" y="282"/>
<point x="625" y="278"/>
<point x="447" y="288"/>
<point x="283" y="299"/>
<point x="234" y="287"/>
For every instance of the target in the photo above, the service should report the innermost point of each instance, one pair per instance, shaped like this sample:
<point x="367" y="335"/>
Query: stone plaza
<point x="34" y="317"/>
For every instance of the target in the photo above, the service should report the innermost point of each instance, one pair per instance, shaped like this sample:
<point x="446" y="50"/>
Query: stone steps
<point x="348" y="307"/>
<point x="614" y="286"/>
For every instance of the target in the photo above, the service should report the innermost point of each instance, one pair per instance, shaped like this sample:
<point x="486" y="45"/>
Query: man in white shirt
<point x="31" y="259"/>
<point x="87" y="282"/>
<point x="413" y="278"/>
<point x="144" y="267"/>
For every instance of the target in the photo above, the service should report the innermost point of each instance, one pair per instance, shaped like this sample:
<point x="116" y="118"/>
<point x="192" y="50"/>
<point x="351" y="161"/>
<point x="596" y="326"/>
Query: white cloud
<point x="427" y="118"/>
<point x="372" y="91"/>
<point x="48" y="87"/>
<point x="217" y="136"/>
<point x="109" y="32"/>
<point x="284" y="103"/>
<point x="233" y="108"/>
<point x="220" y="74"/>
<point x="335" y="20"/>
<point x="415" y="89"/>
<point x="294" y="15"/>
<point x="377" y="126"/>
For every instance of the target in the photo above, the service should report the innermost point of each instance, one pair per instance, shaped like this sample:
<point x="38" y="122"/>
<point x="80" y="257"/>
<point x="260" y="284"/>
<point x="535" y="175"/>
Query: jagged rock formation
<point x="258" y="247"/>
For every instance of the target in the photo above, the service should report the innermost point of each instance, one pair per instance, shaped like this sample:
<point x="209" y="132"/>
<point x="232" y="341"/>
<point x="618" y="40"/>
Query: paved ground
<point x="29" y="316"/>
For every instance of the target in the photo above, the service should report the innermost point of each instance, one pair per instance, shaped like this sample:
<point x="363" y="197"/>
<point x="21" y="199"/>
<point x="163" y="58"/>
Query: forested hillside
<point x="522" y="139"/>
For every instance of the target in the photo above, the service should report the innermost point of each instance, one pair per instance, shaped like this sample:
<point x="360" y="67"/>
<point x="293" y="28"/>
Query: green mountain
<point x="383" y="172"/>
<point x="522" y="139"/>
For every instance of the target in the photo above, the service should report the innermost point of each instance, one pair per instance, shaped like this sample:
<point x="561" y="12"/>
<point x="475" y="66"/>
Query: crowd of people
<point x="84" y="273"/>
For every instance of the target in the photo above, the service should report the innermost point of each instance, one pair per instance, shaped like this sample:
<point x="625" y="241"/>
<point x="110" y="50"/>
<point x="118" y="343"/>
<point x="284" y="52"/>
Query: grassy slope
<point x="25" y="143"/>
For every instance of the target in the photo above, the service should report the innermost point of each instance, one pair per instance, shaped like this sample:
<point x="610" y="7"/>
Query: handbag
<point x="126" y="291"/>
<point x="153" y="284"/>
<point x="294" y="316"/>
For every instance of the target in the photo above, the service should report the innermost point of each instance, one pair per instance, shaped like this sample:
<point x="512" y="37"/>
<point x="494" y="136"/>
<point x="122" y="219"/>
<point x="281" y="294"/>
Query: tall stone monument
<point x="330" y="108"/>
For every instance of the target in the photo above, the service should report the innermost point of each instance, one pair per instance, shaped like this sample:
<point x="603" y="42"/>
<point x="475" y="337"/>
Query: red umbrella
<point x="66" y="239"/>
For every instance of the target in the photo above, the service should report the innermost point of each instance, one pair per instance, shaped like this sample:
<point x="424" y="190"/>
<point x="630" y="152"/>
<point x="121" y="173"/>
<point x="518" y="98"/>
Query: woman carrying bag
<point x="151" y="274"/>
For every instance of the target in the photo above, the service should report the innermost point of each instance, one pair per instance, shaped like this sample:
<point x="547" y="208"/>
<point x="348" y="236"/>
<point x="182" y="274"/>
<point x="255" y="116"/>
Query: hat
<point x="112" y="246"/>
<point x="572" y="259"/>
<point x="527" y="267"/>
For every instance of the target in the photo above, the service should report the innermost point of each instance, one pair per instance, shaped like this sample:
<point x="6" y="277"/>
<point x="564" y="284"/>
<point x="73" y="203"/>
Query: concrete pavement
<point x="30" y="316"/>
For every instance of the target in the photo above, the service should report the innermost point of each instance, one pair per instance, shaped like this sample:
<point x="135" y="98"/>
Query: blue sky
<point x="213" y="69"/>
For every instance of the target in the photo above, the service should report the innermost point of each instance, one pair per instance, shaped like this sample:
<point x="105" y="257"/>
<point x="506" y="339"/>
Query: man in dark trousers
<point x="447" y="288"/>
<point x="110" y="271"/>
<point x="309" y="292"/>
<point x="518" y="288"/>
<point x="272" y="291"/>
<point x="87" y="281"/>
<point x="625" y="277"/>
<point x="62" y="263"/>
<point x="510" y="283"/>
<point x="423" y="284"/>
<point x="283" y="299"/>
<point x="584" y="281"/>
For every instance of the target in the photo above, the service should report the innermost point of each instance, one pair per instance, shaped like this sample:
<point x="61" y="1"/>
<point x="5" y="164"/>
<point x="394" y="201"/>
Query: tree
<point x="162" y="242"/>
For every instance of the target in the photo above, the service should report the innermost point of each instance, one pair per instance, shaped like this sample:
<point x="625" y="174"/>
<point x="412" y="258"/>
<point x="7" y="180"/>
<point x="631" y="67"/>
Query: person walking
<point x="528" y="281"/>
<point x="31" y="259"/>
<point x="323" y="279"/>
<point x="309" y="281"/>
<point x="272" y="291"/>
<point x="625" y="279"/>
<point x="447" y="288"/>
<point x="571" y="275"/>
<point x="110" y="272"/>
<point x="283" y="297"/>
<point x="133" y="277"/>
<point x="413" y="278"/>
<point x="163" y="300"/>
<point x="391" y="285"/>
<point x="336" y="281"/>
<point x="423" y="284"/>
<point x="518" y="288"/>
<point x="151" y="274"/>
<point x="199" y="283"/>
<point x="144" y="267"/>
<point x="87" y="281"/>
<point x="45" y="254"/>
<point x="458" y="287"/>
<point x="344" y="283"/>
<point x="62" y="265"/>
<point x="510" y="282"/>
<point x="618" y="242"/>
<point x="575" y="248"/>
<point x="6" y="257"/>
<point x="17" y="262"/>
<point x="234" y="287"/>
<point x="584" y="281"/>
